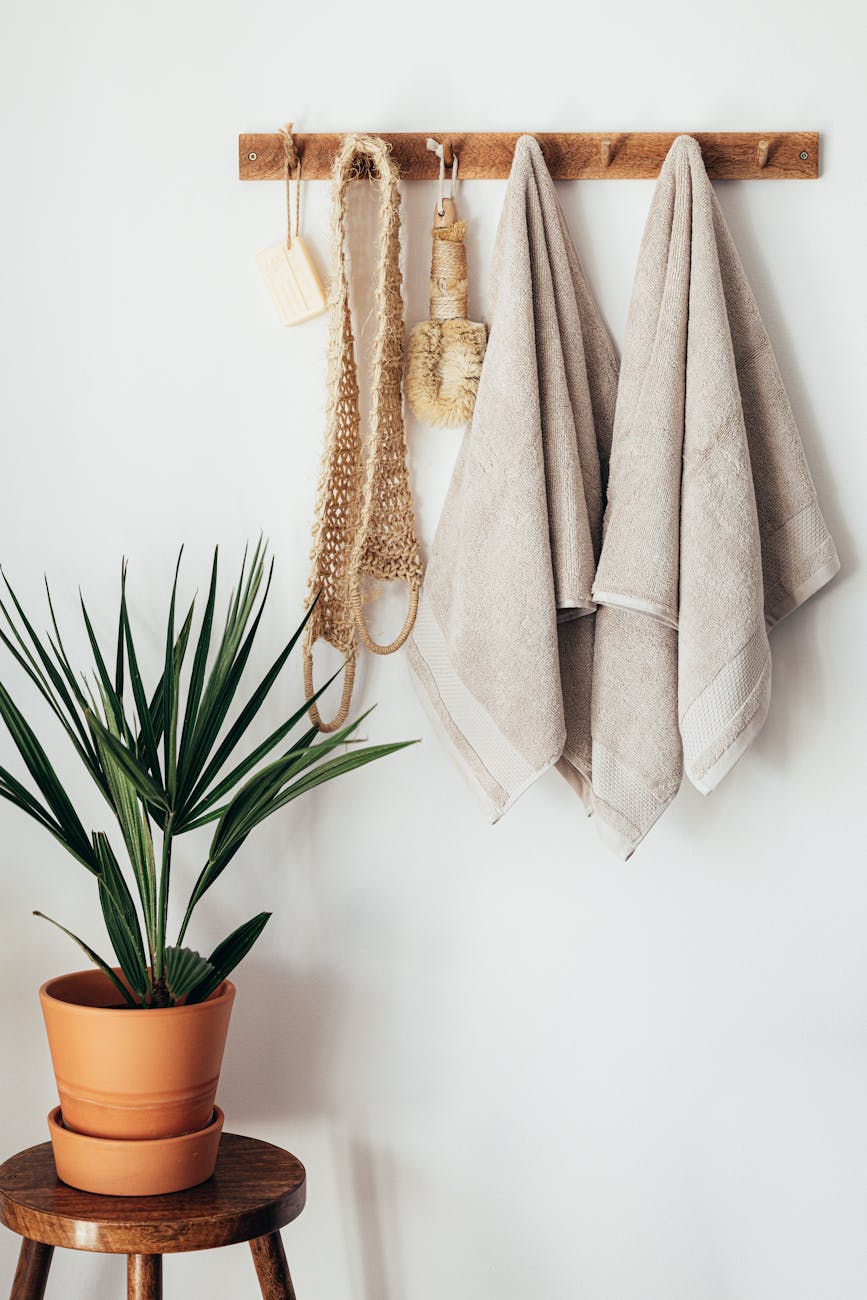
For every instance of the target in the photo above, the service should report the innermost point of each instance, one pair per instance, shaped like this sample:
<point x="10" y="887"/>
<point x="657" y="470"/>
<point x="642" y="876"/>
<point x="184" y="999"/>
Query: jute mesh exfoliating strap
<point x="365" y="522"/>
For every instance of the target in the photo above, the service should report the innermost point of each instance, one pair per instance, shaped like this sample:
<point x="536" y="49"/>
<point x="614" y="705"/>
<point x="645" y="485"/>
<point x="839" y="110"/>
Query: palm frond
<point x="94" y="957"/>
<point x="227" y="955"/>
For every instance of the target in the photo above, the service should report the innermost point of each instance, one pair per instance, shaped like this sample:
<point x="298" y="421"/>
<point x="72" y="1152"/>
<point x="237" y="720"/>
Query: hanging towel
<point x="712" y="529"/>
<point x="502" y="646"/>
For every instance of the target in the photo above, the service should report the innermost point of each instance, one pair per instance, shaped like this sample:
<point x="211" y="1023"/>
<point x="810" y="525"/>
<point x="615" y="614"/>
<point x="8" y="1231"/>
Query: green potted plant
<point x="137" y="1043"/>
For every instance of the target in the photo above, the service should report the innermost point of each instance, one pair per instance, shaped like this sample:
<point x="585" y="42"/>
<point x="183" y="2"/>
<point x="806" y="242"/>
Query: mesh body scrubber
<point x="365" y="518"/>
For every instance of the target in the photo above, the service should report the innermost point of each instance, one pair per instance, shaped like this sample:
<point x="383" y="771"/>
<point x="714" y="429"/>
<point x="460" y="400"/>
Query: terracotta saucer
<point x="144" y="1167"/>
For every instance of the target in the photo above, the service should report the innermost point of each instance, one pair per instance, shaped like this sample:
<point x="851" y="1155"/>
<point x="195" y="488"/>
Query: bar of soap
<point x="293" y="281"/>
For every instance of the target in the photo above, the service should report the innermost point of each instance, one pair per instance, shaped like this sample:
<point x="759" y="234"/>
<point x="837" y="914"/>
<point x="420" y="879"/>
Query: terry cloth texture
<point x="502" y="648"/>
<point x="712" y="528"/>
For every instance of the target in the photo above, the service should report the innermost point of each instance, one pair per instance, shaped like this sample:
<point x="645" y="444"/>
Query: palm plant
<point x="161" y="763"/>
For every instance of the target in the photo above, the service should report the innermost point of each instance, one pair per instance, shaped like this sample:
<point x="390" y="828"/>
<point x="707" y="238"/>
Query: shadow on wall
<point x="294" y="1052"/>
<point x="367" y="1180"/>
<point x="292" y="1046"/>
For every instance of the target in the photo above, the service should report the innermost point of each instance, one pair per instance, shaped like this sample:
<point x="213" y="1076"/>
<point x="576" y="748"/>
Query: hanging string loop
<point x="293" y="168"/>
<point x="436" y="148"/>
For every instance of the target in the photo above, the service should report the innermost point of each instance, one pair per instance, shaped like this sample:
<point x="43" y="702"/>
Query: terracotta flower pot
<point x="133" y="1074"/>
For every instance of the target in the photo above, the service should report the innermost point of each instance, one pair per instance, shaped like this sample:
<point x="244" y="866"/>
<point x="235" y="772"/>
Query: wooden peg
<point x="605" y="148"/>
<point x="448" y="155"/>
<point x="448" y="216"/>
<point x="762" y="153"/>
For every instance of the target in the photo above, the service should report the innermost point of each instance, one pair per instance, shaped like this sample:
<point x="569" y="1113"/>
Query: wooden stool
<point x="256" y="1189"/>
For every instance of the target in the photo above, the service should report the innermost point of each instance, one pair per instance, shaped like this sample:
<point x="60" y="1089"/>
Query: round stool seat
<point x="256" y="1189"/>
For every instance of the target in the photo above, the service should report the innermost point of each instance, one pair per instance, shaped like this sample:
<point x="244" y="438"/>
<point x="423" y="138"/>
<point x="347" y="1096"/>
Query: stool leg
<point x="144" y="1277"/>
<point x="271" y="1267"/>
<point x="31" y="1275"/>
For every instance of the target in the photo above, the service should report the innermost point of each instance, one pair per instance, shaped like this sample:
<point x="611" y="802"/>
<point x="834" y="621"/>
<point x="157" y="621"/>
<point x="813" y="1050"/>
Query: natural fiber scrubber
<point x="445" y="354"/>
<point x="365" y="520"/>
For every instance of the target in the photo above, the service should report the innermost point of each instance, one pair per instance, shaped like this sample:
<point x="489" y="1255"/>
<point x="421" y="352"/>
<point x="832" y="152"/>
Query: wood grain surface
<point x="256" y="1189"/>
<point x="731" y="155"/>
<point x="271" y="1268"/>
<point x="31" y="1275"/>
<point x="144" y="1277"/>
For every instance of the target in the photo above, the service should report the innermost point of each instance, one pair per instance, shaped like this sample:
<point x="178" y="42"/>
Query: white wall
<point x="514" y="1066"/>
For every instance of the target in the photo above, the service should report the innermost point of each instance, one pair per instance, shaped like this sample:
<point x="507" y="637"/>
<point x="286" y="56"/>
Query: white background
<point x="514" y="1066"/>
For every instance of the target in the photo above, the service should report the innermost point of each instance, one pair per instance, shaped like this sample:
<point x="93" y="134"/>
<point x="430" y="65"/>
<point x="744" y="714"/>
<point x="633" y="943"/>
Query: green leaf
<point x="194" y="817"/>
<point x="94" y="957"/>
<point x="200" y="663"/>
<point x="59" y="651"/>
<point x="23" y="797"/>
<point x="267" y="792"/>
<point x="227" y="955"/>
<point x="136" y="771"/>
<point x="147" y="740"/>
<point x="231" y="658"/>
<point x="121" y="918"/>
<point x="105" y="681"/>
<point x="151" y="716"/>
<point x="246" y="809"/>
<point x="69" y="720"/>
<point x="71" y="831"/>
<point x="16" y="794"/>
<point x="240" y="813"/>
<point x="123" y="943"/>
<point x="246" y="717"/>
<point x="119" y="656"/>
<point x="53" y="687"/>
<point x="336" y="767"/>
<point x="170" y="695"/>
<point x="48" y="664"/>
<point x="184" y="969"/>
<point x="136" y="831"/>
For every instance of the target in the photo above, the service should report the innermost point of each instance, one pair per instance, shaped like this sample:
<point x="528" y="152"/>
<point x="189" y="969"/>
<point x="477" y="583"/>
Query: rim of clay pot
<point x="86" y="1141"/>
<point x="49" y="993"/>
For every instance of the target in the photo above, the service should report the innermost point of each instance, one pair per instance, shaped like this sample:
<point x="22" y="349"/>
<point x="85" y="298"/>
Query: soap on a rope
<point x="293" y="281"/>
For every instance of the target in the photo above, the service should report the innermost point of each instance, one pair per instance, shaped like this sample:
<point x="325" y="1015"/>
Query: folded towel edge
<point x="709" y="780"/>
<point x="802" y="593"/>
<point x="580" y="780"/>
<point x="616" y="786"/>
<point x="619" y="600"/>
<point x="479" y="745"/>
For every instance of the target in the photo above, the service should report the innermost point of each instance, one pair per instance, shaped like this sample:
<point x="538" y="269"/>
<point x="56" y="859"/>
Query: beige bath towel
<point x="712" y="529"/>
<point x="515" y="551"/>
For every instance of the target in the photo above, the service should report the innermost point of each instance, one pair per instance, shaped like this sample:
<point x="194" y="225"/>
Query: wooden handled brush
<point x="445" y="354"/>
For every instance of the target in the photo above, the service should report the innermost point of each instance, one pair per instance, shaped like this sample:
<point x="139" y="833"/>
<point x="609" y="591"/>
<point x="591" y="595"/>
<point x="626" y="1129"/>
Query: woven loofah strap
<point x="398" y="641"/>
<point x="345" y="698"/>
<point x="365" y="522"/>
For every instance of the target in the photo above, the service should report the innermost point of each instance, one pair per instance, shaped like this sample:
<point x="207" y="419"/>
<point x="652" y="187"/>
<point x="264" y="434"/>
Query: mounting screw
<point x="804" y="155"/>
<point x="253" y="156"/>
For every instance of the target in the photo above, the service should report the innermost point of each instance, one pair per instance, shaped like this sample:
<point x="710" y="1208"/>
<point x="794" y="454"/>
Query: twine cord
<point x="448" y="272"/>
<point x="436" y="148"/>
<point x="292" y="165"/>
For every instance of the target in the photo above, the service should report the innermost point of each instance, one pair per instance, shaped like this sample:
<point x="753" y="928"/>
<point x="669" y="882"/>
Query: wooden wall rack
<point x="731" y="155"/>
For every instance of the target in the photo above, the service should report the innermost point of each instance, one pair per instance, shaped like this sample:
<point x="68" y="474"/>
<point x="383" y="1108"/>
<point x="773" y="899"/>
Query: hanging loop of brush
<point x="445" y="354"/>
<point x="365" y="520"/>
